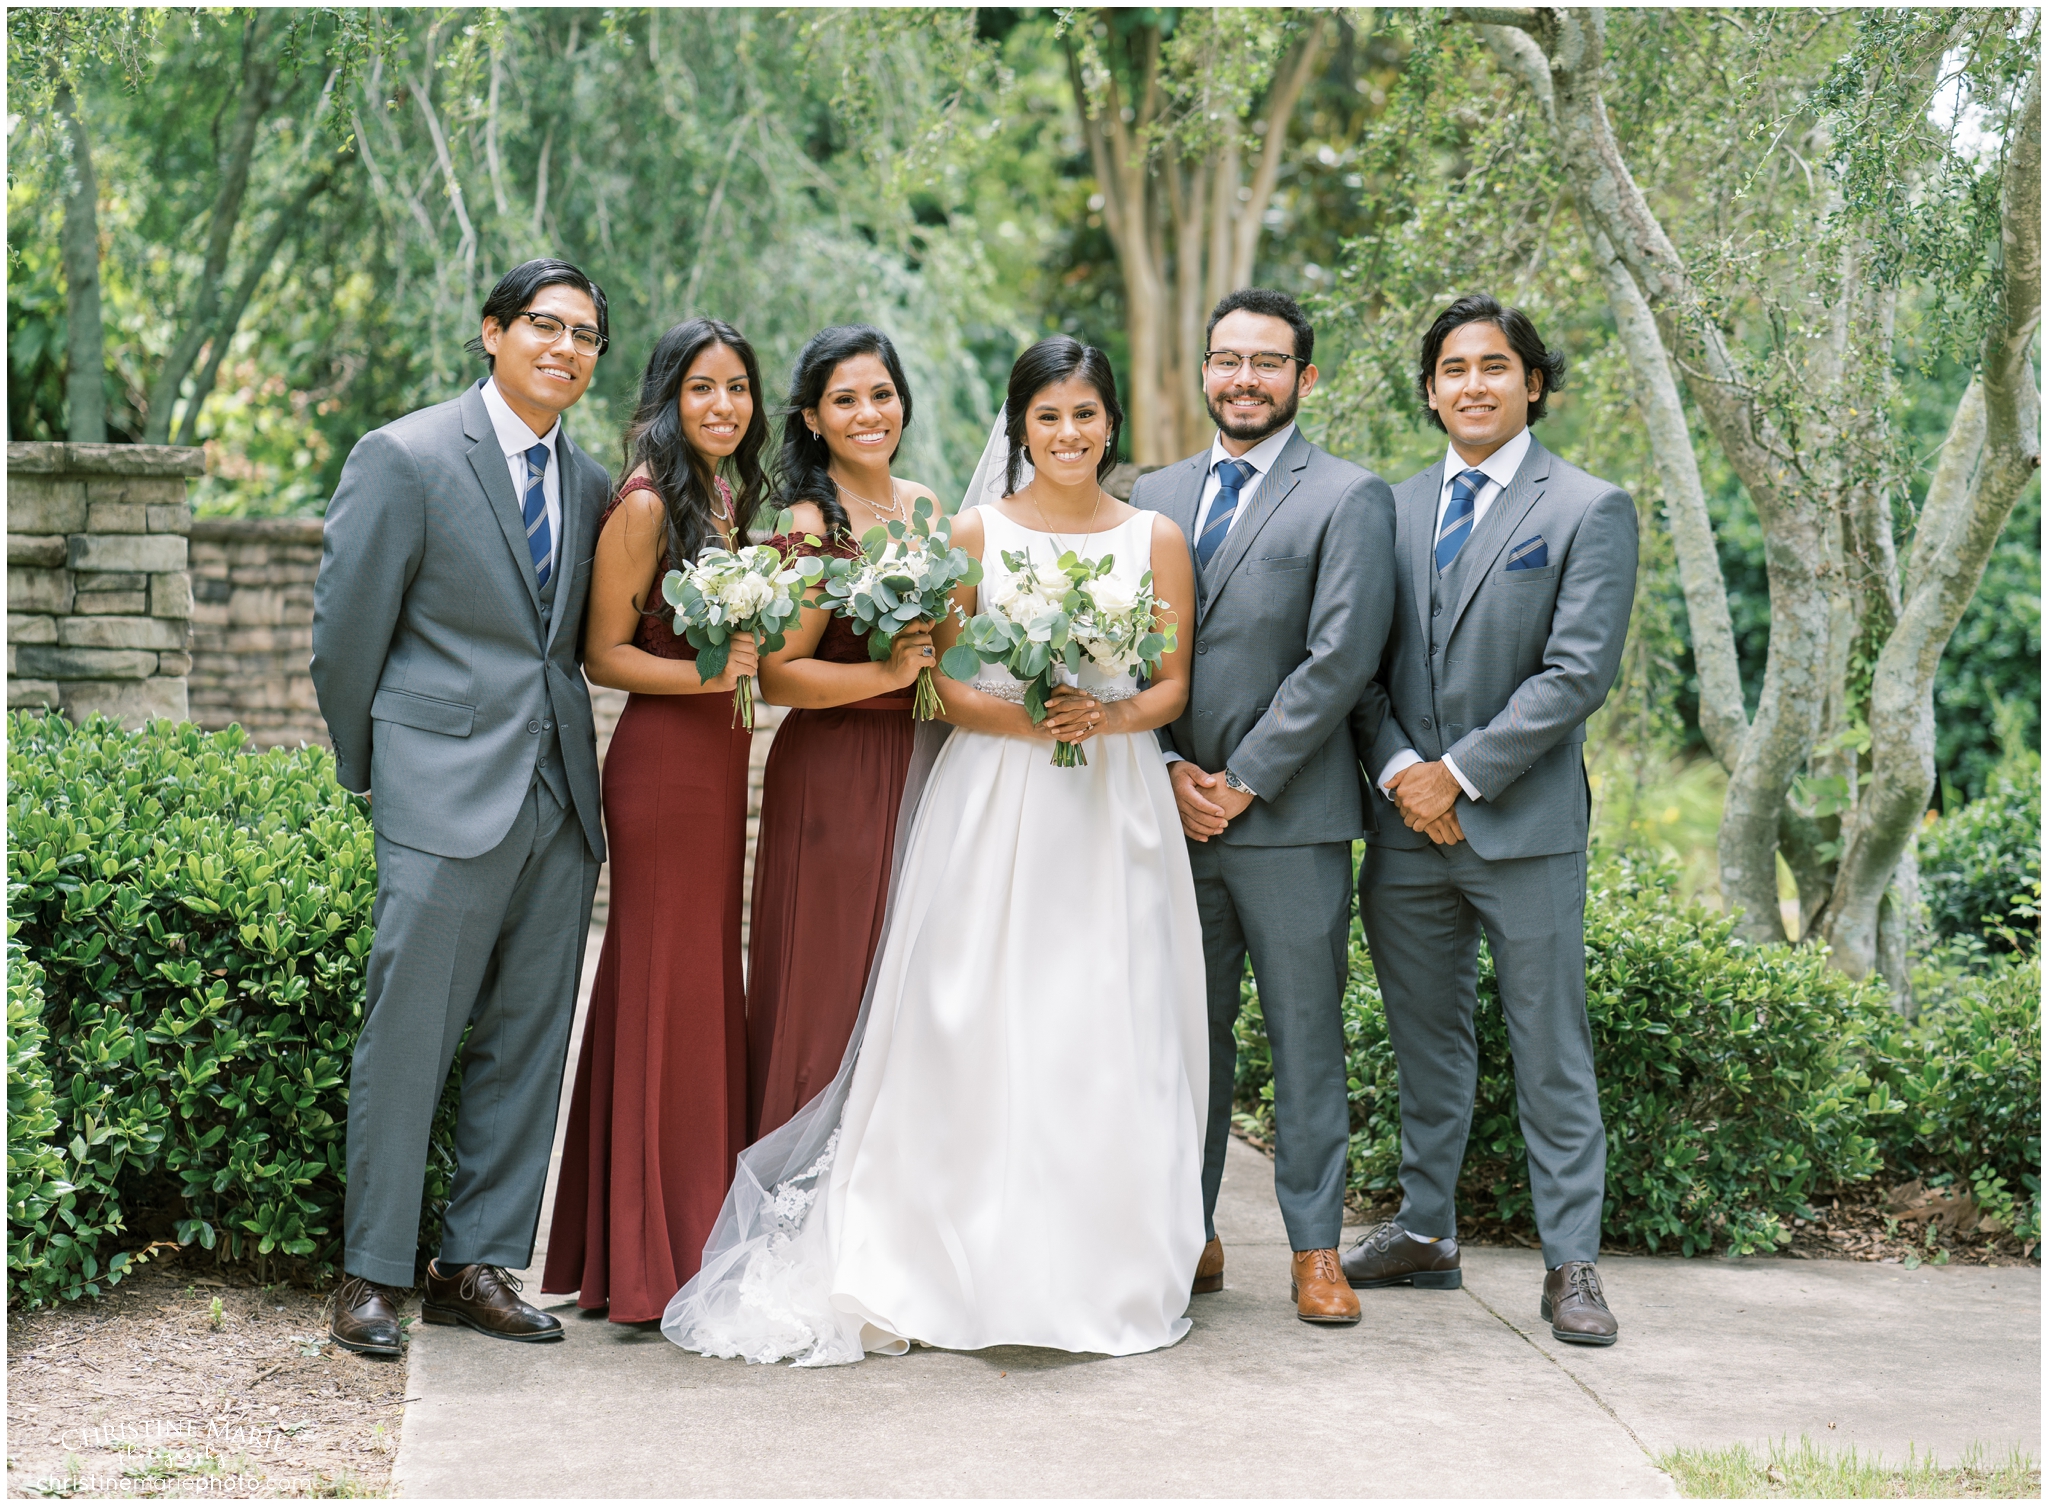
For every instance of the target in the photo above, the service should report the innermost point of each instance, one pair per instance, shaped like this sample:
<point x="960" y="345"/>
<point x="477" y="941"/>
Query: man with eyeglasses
<point x="447" y="653"/>
<point x="1294" y="590"/>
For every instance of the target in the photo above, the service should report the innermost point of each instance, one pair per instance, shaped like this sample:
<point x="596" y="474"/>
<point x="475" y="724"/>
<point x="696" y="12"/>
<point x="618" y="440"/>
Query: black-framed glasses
<point x="582" y="336"/>
<point x="1266" y="363"/>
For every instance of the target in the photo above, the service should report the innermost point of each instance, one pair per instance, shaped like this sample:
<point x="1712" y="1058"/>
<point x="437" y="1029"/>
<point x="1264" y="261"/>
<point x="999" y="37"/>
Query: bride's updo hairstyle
<point x="1053" y="360"/>
<point x="800" y="472"/>
<point x="682" y="477"/>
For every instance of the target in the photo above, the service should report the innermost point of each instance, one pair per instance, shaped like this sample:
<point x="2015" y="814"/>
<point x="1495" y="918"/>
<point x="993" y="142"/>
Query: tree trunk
<point x="85" y="382"/>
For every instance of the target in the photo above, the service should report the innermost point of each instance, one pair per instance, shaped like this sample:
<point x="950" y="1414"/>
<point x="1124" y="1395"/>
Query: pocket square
<point x="1530" y="554"/>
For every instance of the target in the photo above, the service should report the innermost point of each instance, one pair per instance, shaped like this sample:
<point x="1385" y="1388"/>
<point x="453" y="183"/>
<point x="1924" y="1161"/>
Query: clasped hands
<point x="1426" y="795"/>
<point x="1207" y="805"/>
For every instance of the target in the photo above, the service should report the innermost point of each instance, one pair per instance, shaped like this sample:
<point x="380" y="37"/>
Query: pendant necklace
<point x="1086" y="532"/>
<point x="890" y="509"/>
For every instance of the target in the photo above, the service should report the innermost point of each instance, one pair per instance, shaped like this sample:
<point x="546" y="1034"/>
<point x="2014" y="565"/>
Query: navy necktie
<point x="538" y="541"/>
<point x="1458" y="517"/>
<point x="1231" y="476"/>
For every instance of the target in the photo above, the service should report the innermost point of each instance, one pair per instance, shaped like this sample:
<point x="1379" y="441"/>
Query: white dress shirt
<point x="515" y="439"/>
<point x="1261" y="457"/>
<point x="1499" y="469"/>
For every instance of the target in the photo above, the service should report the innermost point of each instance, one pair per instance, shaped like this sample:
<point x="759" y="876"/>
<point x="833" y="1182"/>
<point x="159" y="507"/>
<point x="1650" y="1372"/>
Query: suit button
<point x="547" y="726"/>
<point x="1201" y="648"/>
<point x="1425" y="721"/>
<point x="1436" y="611"/>
<point x="534" y="725"/>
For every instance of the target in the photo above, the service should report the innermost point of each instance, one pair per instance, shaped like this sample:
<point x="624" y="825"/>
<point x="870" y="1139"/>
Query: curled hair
<point x="517" y="289"/>
<point x="1274" y="305"/>
<point x="1528" y="346"/>
<point x="682" y="474"/>
<point x="802" y="471"/>
<point x="1053" y="360"/>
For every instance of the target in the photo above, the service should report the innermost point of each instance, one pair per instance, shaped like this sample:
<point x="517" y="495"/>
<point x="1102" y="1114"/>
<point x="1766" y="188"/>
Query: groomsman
<point x="447" y="653"/>
<point x="1516" y="575"/>
<point x="1293" y="591"/>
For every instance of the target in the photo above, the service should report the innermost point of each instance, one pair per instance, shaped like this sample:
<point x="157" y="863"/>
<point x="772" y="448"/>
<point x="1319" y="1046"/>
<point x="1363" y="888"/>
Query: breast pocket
<point x="1527" y="577"/>
<point x="1274" y="564"/>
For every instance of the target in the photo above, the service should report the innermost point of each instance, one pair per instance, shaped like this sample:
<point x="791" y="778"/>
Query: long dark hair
<point x="682" y="475"/>
<point x="1056" y="359"/>
<point x="800" y="472"/>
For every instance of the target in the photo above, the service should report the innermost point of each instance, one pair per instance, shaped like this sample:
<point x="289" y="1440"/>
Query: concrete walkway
<point x="1435" y="1394"/>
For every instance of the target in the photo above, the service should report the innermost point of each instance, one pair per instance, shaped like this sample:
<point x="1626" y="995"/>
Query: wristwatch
<point x="1230" y="778"/>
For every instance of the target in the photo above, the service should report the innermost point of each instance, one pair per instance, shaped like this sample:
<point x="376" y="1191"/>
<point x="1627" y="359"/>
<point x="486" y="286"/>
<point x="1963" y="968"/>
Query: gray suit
<point x="1290" y="618"/>
<point x="452" y="686"/>
<point x="1498" y="663"/>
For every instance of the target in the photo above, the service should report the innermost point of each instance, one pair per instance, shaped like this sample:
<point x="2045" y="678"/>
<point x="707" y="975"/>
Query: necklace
<point x="890" y="509"/>
<point x="721" y="506"/>
<point x="1097" y="508"/>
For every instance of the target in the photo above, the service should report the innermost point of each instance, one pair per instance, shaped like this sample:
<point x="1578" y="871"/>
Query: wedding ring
<point x="927" y="653"/>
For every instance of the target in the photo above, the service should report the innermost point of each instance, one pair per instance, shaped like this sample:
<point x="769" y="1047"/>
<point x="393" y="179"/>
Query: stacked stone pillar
<point x="99" y="601"/>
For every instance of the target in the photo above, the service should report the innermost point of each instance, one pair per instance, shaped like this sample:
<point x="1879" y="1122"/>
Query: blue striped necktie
<point x="1458" y="517"/>
<point x="1231" y="476"/>
<point x="538" y="541"/>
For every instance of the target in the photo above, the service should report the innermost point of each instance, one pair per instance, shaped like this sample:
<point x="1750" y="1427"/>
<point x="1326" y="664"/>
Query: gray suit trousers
<point x="493" y="943"/>
<point x="1423" y="910"/>
<point x="1290" y="909"/>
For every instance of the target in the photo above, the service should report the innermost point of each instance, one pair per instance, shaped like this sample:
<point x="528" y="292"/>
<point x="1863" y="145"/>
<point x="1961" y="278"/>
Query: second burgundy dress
<point x="829" y="799"/>
<point x="658" y="1113"/>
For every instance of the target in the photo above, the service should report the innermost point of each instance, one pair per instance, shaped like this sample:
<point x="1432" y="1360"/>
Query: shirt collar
<point x="514" y="438"/>
<point x="1261" y="457"/>
<point x="1499" y="467"/>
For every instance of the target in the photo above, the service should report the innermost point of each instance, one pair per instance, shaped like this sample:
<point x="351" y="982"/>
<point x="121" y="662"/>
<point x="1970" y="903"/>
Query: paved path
<point x="1435" y="1394"/>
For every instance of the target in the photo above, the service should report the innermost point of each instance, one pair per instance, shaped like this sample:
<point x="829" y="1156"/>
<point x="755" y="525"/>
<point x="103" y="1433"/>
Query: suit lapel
<point x="1183" y="502"/>
<point x="566" y="456"/>
<point x="1503" y="519"/>
<point x="1427" y="490"/>
<point x="488" y="461"/>
<point x="1273" y="490"/>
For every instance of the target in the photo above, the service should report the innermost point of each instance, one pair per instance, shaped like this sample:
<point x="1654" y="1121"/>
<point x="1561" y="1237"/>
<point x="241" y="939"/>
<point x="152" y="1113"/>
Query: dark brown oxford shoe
<point x="1209" y="1270"/>
<point x="1389" y="1255"/>
<point x="366" y="1318"/>
<point x="1575" y="1307"/>
<point x="486" y="1298"/>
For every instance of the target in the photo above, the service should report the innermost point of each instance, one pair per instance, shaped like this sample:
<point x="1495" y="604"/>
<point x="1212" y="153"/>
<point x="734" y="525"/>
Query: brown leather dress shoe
<point x="486" y="1298"/>
<point x="1320" y="1292"/>
<point x="1209" y="1270"/>
<point x="366" y="1318"/>
<point x="1575" y="1307"/>
<point x="1389" y="1255"/>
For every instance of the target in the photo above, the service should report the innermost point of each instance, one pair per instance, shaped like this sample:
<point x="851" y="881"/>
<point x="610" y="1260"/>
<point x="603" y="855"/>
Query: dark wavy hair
<point x="1274" y="305"/>
<point x="682" y="474"/>
<point x="1056" y="359"/>
<point x="1528" y="346"/>
<point x="801" y="473"/>
<point x="517" y="289"/>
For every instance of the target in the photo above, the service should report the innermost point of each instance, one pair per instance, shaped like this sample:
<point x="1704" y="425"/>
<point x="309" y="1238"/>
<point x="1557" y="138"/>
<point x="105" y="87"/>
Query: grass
<point x="1806" y="1471"/>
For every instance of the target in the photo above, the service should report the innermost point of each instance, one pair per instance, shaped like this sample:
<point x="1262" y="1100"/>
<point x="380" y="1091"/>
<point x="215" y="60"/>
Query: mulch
<point x="151" y="1391"/>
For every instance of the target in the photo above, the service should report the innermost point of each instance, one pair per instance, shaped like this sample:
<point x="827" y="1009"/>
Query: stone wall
<point x="252" y="628"/>
<point x="98" y="596"/>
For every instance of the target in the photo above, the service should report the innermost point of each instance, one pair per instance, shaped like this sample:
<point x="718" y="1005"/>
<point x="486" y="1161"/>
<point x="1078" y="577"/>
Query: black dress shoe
<point x="1389" y="1255"/>
<point x="486" y="1298"/>
<point x="1575" y="1307"/>
<point x="366" y="1318"/>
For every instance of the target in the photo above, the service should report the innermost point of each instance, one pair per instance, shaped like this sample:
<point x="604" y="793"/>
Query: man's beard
<point x="1275" y="418"/>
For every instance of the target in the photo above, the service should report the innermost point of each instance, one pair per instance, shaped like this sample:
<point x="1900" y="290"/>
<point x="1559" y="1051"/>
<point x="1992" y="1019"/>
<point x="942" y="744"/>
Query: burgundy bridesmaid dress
<point x="829" y="800"/>
<point x="659" y="1109"/>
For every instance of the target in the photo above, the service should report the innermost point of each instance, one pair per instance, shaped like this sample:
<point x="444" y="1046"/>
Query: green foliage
<point x="197" y="918"/>
<point x="1979" y="862"/>
<point x="1731" y="1080"/>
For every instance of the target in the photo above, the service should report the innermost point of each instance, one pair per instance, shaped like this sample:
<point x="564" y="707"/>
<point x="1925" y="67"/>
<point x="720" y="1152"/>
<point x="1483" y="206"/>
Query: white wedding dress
<point x="1015" y="1155"/>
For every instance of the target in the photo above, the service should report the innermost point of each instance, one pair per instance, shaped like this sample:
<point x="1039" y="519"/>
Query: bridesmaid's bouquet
<point x="1043" y="622"/>
<point x="753" y="589"/>
<point x="906" y="572"/>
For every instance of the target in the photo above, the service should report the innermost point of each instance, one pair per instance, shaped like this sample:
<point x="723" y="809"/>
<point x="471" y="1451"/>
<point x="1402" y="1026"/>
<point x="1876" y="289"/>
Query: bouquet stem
<point x="743" y="703"/>
<point x="927" y="705"/>
<point x="1069" y="756"/>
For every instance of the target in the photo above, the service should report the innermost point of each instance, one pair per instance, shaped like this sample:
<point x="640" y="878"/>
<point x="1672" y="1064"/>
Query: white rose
<point x="997" y="592"/>
<point x="747" y="594"/>
<point x="1115" y="597"/>
<point x="1051" y="581"/>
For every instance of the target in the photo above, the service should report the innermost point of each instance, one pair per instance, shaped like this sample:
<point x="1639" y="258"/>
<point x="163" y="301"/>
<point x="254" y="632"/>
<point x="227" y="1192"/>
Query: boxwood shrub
<point x="1732" y="1078"/>
<point x="189" y="922"/>
<point x="1977" y="861"/>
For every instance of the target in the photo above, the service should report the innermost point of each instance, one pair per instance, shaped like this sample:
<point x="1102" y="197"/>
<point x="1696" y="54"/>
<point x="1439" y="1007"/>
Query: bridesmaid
<point x="659" y="1109"/>
<point x="835" y="770"/>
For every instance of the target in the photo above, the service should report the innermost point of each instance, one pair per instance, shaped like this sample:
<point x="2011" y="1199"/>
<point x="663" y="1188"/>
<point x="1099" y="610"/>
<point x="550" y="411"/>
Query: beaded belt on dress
<point x="1013" y="692"/>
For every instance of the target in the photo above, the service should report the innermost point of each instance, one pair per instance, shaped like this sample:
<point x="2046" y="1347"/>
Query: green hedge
<point x="188" y="927"/>
<point x="1735" y="1081"/>
<point x="1979" y="859"/>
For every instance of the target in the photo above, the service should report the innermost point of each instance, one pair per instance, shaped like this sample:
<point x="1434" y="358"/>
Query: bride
<point x="1012" y="1150"/>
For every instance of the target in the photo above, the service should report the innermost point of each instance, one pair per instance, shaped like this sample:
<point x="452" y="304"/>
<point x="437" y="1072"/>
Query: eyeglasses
<point x="586" y="340"/>
<point x="1226" y="362"/>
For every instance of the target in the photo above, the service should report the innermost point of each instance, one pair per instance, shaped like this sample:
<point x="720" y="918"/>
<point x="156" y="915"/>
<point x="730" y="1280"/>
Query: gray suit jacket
<point x="1521" y="658"/>
<point x="434" y="670"/>
<point x="1290" y="619"/>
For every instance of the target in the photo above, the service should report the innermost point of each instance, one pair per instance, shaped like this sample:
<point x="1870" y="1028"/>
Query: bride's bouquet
<point x="753" y="589"/>
<point x="1043" y="622"/>
<point x="906" y="572"/>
